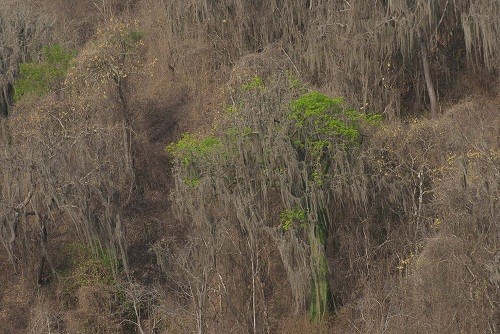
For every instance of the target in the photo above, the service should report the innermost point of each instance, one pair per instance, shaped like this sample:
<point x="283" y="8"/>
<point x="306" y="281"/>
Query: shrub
<point x="111" y="56"/>
<point x="254" y="84"/>
<point x="192" y="153"/>
<point x="189" y="148"/>
<point x="39" y="78"/>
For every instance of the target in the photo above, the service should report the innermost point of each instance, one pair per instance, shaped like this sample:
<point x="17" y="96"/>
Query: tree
<point x="281" y="140"/>
<point x="394" y="46"/>
<point x="383" y="56"/>
<point x="72" y="151"/>
<point x="23" y="32"/>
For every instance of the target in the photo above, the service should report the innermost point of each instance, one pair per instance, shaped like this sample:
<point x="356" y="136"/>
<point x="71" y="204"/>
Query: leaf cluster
<point x="254" y="84"/>
<point x="320" y="118"/>
<point x="324" y="127"/>
<point x="293" y="216"/>
<point x="39" y="78"/>
<point x="189" y="148"/>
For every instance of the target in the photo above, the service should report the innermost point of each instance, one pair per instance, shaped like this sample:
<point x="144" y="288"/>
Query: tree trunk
<point x="6" y="98"/>
<point x="427" y="76"/>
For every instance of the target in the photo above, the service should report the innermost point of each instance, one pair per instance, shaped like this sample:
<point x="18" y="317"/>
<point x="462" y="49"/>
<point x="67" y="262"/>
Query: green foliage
<point x="232" y="134"/>
<point x="38" y="78"/>
<point x="325" y="117"/>
<point x="318" y="176"/>
<point x="231" y="109"/>
<point x="322" y="125"/>
<point x="371" y="119"/>
<point x="321" y="302"/>
<point x="134" y="36"/>
<point x="189" y="148"/>
<point x="255" y="84"/>
<point x="192" y="182"/>
<point x="86" y="268"/>
<point x="294" y="216"/>
<point x="294" y="82"/>
<point x="130" y="38"/>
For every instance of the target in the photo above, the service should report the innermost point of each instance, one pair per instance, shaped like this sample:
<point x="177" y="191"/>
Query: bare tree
<point x="372" y="49"/>
<point x="75" y="156"/>
<point x="193" y="268"/>
<point x="23" y="32"/>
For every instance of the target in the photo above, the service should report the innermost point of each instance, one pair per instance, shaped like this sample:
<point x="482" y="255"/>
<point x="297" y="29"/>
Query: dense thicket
<point x="222" y="166"/>
<point x="23" y="32"/>
<point x="373" y="52"/>
<point x="341" y="214"/>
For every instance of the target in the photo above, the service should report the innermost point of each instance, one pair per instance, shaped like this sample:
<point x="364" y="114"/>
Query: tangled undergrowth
<point x="219" y="167"/>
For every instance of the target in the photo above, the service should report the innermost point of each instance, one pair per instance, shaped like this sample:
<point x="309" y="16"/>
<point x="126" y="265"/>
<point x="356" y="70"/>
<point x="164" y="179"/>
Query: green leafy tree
<point x="277" y="137"/>
<point x="325" y="130"/>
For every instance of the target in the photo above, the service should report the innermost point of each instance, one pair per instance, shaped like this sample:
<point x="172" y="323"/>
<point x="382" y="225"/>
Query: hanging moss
<point x="280" y="139"/>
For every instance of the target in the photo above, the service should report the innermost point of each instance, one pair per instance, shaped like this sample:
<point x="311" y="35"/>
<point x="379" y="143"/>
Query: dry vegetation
<point x="189" y="172"/>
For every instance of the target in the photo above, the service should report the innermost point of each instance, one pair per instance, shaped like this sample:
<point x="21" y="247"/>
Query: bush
<point x="189" y="148"/>
<point x="39" y="78"/>
<point x="111" y="56"/>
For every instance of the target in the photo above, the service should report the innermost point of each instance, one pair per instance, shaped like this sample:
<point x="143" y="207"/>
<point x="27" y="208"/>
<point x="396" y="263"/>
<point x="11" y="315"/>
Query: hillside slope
<point x="233" y="167"/>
